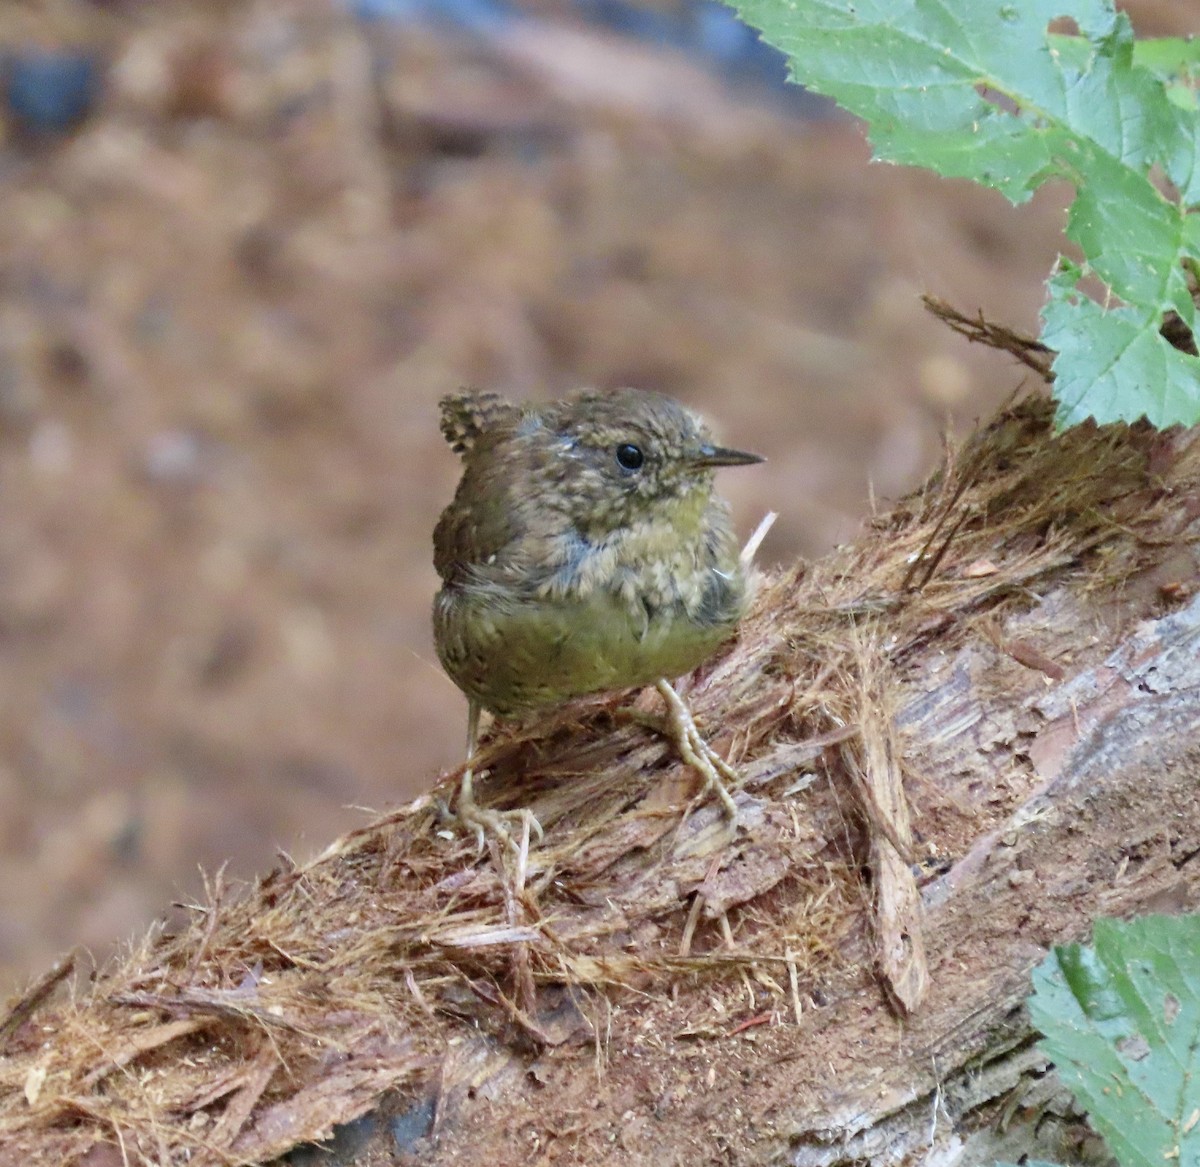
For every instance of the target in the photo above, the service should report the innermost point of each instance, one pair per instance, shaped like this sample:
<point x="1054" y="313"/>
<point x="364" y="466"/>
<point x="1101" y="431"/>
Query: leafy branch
<point x="1013" y="95"/>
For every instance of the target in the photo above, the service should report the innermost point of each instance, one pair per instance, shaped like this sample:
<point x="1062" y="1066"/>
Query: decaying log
<point x="961" y="739"/>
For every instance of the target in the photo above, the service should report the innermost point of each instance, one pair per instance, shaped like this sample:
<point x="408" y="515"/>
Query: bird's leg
<point x="480" y="819"/>
<point x="696" y="752"/>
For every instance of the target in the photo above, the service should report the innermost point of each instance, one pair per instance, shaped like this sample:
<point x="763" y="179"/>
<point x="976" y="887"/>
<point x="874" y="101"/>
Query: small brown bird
<point x="584" y="551"/>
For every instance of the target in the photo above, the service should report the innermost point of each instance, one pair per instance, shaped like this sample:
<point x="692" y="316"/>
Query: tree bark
<point x="960" y="740"/>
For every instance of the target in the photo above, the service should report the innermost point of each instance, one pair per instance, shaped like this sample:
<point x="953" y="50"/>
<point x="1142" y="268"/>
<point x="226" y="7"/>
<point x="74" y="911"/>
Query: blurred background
<point x="244" y="249"/>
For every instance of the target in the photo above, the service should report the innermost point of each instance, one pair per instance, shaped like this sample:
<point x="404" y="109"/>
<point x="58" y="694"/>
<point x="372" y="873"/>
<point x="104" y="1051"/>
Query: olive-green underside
<point x="514" y="656"/>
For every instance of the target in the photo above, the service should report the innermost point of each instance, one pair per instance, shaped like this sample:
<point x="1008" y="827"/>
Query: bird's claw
<point x="483" y="822"/>
<point x="698" y="754"/>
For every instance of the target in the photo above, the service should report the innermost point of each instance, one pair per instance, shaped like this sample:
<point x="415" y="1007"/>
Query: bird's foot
<point x="484" y="822"/>
<point x="696" y="752"/>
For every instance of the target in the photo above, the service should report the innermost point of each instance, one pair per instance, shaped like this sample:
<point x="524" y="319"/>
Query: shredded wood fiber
<point x="289" y="1006"/>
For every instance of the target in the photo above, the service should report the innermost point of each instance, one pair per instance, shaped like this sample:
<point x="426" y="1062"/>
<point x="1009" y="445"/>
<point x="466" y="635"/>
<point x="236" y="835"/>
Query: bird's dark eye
<point x="629" y="456"/>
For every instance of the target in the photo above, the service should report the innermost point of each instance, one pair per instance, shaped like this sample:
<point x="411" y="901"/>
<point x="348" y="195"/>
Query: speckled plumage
<point x="564" y="572"/>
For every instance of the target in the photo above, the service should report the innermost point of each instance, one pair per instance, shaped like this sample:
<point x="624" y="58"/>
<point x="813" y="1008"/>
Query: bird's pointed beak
<point x="722" y="456"/>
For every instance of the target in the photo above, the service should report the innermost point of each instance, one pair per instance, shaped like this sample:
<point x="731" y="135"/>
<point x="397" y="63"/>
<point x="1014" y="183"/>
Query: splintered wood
<point x="956" y="741"/>
<point x="873" y="762"/>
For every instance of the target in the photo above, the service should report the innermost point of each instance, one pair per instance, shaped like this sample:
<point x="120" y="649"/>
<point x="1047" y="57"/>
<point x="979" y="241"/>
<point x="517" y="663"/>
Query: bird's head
<point x="614" y="458"/>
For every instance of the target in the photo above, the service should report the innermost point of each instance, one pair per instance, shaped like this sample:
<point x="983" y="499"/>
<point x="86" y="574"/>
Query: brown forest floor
<point x="228" y="305"/>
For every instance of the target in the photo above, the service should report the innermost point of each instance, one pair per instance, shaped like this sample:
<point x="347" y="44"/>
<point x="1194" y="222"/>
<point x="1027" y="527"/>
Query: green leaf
<point x="1106" y="356"/>
<point x="1122" y="1024"/>
<point x="985" y="91"/>
<point x="1170" y="58"/>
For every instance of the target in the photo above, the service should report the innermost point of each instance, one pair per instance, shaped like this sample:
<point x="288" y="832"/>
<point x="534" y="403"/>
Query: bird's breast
<point x="609" y="614"/>
<point x="650" y="567"/>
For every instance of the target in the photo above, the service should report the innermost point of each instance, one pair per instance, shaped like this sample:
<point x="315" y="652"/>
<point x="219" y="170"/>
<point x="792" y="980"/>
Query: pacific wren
<point x="585" y="550"/>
